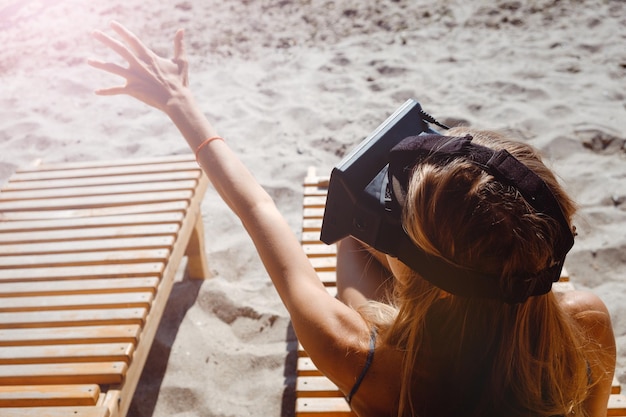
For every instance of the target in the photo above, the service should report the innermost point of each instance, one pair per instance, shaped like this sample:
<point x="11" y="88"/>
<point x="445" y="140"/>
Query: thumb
<point x="180" y="56"/>
<point x="179" y="45"/>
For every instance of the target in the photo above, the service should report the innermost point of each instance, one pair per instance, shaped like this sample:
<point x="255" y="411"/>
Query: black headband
<point x="505" y="168"/>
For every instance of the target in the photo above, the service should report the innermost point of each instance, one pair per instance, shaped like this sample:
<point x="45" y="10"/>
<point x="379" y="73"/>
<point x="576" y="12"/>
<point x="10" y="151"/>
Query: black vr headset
<point x="367" y="190"/>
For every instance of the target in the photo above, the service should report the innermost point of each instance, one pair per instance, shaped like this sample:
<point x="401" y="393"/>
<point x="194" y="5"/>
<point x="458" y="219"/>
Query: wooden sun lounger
<point x="316" y="395"/>
<point x="88" y="256"/>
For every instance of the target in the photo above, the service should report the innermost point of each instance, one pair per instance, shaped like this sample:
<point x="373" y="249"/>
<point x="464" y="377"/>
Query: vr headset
<point x="367" y="189"/>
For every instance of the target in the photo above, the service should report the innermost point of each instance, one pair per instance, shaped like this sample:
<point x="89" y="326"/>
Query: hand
<point x="149" y="78"/>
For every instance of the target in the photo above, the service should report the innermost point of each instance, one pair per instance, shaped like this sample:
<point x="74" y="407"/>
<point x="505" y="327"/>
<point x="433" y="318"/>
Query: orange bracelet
<point x="206" y="142"/>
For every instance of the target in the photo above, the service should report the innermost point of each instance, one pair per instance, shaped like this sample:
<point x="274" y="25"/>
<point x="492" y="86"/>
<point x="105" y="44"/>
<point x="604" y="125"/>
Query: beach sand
<point x="297" y="83"/>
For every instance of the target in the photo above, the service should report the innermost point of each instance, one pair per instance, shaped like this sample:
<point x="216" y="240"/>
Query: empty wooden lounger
<point x="316" y="395"/>
<point x="88" y="257"/>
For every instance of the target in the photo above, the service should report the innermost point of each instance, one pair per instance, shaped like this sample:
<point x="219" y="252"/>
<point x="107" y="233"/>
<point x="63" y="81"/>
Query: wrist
<point x="183" y="110"/>
<point x="179" y="103"/>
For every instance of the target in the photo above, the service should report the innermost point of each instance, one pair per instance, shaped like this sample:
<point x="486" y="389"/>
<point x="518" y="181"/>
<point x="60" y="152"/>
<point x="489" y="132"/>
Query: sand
<point x="297" y="83"/>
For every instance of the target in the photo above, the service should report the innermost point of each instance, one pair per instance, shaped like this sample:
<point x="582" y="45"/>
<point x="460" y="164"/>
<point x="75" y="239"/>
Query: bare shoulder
<point x="576" y="303"/>
<point x="590" y="312"/>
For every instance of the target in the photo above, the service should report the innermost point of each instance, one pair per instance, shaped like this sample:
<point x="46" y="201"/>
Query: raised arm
<point x="326" y="327"/>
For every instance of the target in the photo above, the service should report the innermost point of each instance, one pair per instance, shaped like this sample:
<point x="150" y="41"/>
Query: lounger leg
<point x="197" y="266"/>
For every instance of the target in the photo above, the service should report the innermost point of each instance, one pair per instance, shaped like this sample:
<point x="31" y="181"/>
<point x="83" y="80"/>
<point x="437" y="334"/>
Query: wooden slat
<point x="65" y="318"/>
<point x="163" y="159"/>
<point x="312" y="225"/>
<point x="93" y="245"/>
<point x="85" y="286"/>
<point x="314" y="180"/>
<point x="314" y="191"/>
<point x="306" y="367"/>
<point x="169" y="206"/>
<point x="71" y="192"/>
<point x="313" y="212"/>
<point x="616" y="388"/>
<point x="322" y="407"/>
<point x="562" y="286"/>
<point x="89" y="222"/>
<point x="315" y="201"/>
<point x="313" y="250"/>
<point x="93" y="352"/>
<point x="64" y="373"/>
<point x="104" y="171"/>
<point x="145" y="269"/>
<point x="48" y="395"/>
<point x="89" y="233"/>
<point x="617" y="405"/>
<point x="74" y="302"/>
<point x="74" y="411"/>
<point x="101" y="181"/>
<point x="94" y="201"/>
<point x="311" y="237"/>
<point x="70" y="335"/>
<point x="86" y="258"/>
<point x="327" y="263"/>
<point x="316" y="386"/>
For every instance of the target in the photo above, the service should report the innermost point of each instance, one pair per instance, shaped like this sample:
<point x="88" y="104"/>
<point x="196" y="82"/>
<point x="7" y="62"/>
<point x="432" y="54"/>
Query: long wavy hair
<point x="479" y="357"/>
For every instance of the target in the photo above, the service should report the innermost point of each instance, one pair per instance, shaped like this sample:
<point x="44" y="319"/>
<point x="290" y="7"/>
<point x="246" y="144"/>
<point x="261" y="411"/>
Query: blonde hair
<point x="477" y="356"/>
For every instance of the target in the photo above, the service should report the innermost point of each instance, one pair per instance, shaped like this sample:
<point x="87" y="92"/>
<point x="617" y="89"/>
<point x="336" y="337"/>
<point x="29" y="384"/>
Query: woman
<point x="395" y="344"/>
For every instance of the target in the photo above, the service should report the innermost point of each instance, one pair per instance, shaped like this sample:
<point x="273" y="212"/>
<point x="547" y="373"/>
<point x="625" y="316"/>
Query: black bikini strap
<point x="366" y="367"/>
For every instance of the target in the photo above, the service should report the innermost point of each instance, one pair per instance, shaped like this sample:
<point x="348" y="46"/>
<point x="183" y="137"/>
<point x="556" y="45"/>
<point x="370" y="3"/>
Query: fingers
<point x="113" y="91"/>
<point x="133" y="41"/>
<point x="115" y="45"/>
<point x="146" y="71"/>
<point x="108" y="67"/>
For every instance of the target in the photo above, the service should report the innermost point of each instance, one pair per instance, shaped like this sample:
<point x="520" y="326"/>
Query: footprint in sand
<point x="600" y="141"/>
<point x="246" y="322"/>
<point x="516" y="89"/>
<point x="181" y="399"/>
<point x="331" y="145"/>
